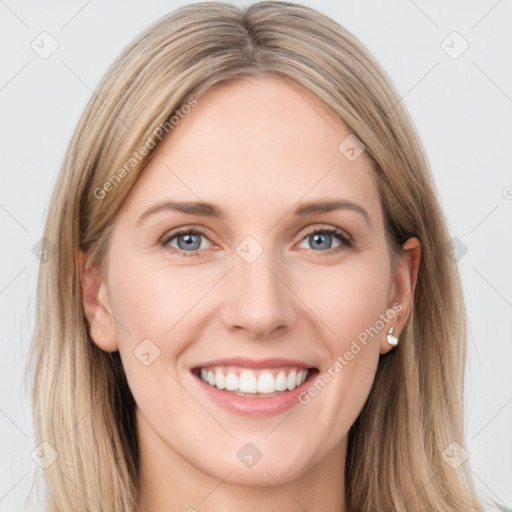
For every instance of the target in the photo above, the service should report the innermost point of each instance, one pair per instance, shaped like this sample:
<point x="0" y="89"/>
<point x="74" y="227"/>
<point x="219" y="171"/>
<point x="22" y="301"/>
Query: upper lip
<point x="244" y="362"/>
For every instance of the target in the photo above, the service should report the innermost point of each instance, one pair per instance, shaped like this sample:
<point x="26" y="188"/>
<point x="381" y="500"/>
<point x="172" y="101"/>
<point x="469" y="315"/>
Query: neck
<point x="169" y="483"/>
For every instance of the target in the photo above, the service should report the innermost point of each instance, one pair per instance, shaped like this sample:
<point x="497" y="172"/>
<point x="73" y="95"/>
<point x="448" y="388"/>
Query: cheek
<point x="156" y="302"/>
<point x="347" y="298"/>
<point x="150" y="299"/>
<point x="350" y="302"/>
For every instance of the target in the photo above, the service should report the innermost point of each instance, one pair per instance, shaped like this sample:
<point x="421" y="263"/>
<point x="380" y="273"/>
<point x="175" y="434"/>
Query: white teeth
<point x="281" y="382"/>
<point x="257" y="381"/>
<point x="247" y="382"/>
<point x="266" y="383"/>
<point x="231" y="382"/>
<point x="290" y="380"/>
<point x="220" y="381"/>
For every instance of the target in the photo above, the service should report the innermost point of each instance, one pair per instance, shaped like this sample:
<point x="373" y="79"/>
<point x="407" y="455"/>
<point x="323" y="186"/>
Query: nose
<point x="258" y="299"/>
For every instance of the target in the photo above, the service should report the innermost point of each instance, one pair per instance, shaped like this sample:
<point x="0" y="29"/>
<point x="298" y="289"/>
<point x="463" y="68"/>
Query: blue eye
<point x="189" y="241"/>
<point x="322" y="239"/>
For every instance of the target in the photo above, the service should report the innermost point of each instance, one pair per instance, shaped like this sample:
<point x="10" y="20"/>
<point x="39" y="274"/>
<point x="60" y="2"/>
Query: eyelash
<point x="346" y="241"/>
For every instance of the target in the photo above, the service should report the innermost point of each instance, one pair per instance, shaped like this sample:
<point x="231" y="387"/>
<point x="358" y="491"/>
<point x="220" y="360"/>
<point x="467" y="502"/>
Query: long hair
<point x="82" y="404"/>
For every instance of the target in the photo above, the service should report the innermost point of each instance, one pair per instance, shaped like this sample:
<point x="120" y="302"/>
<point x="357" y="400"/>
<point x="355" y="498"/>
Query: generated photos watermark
<point x="151" y="143"/>
<point x="342" y="360"/>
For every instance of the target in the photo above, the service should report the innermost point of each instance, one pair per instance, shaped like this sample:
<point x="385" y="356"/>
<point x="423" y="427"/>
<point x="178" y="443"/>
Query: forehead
<point x="257" y="144"/>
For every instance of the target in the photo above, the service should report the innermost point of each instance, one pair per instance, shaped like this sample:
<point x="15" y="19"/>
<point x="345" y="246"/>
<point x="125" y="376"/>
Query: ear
<point x="97" y="307"/>
<point x="404" y="284"/>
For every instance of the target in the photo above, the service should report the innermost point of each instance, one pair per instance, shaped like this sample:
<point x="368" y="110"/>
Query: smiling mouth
<point x="255" y="383"/>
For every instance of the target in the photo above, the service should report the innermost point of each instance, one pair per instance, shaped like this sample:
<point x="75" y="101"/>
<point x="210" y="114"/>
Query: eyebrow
<point x="205" y="209"/>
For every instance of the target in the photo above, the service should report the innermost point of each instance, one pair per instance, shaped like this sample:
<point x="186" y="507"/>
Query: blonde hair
<point x="81" y="401"/>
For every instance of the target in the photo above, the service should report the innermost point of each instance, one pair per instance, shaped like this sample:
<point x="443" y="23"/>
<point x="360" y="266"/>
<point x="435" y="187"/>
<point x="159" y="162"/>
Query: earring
<point x="99" y="332"/>
<point x="392" y="339"/>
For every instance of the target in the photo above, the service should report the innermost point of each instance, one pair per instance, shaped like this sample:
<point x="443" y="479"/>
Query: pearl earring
<point x="99" y="332"/>
<point x="392" y="339"/>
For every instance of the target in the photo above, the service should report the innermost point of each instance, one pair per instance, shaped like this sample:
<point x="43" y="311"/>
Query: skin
<point x="255" y="148"/>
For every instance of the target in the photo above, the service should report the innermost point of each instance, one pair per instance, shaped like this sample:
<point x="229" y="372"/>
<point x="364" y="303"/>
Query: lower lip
<point x="255" y="407"/>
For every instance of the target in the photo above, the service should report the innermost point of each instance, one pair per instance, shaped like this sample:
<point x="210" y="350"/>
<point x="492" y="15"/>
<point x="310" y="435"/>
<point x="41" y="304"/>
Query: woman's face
<point x="260" y="289"/>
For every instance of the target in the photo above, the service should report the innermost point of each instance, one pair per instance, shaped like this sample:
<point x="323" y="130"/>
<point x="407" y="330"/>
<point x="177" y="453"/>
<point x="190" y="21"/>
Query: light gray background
<point x="462" y="108"/>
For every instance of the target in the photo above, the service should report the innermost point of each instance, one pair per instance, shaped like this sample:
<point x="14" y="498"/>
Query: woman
<point x="251" y="302"/>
